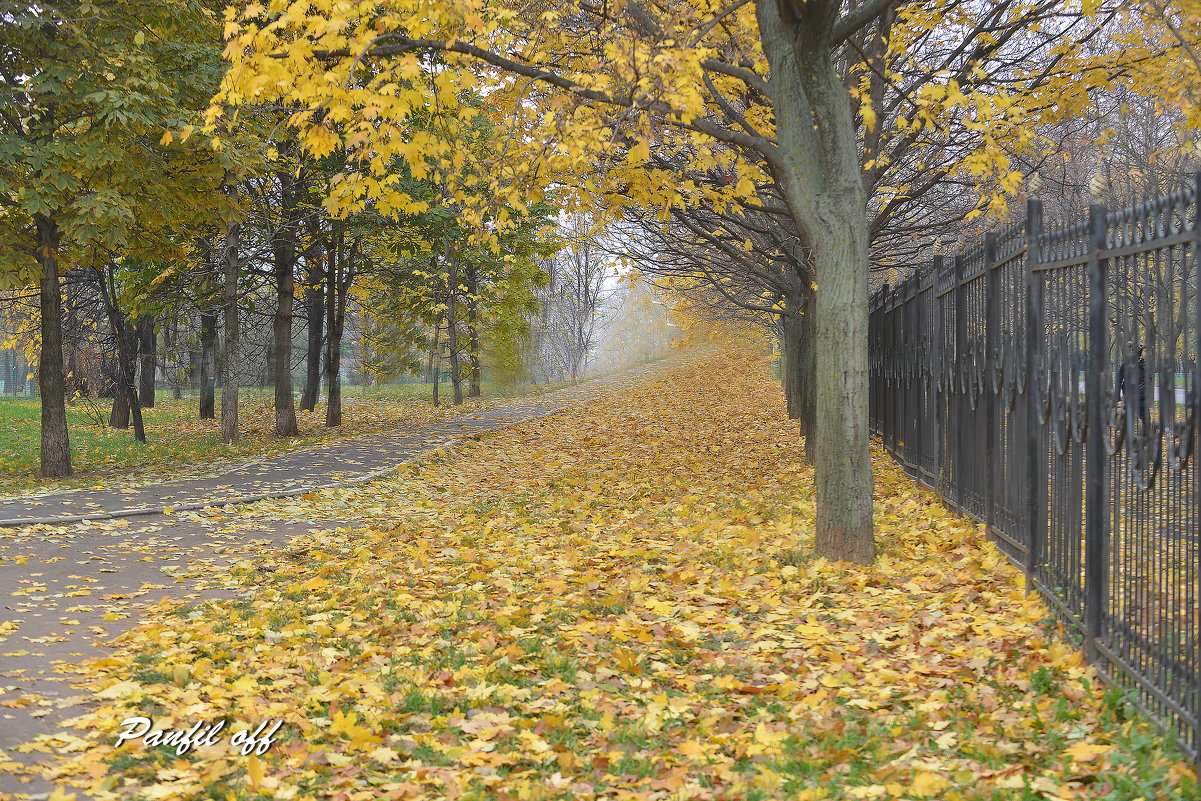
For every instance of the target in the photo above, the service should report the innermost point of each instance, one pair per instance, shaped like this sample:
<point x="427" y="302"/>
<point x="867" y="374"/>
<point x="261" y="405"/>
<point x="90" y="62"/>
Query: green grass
<point x="177" y="437"/>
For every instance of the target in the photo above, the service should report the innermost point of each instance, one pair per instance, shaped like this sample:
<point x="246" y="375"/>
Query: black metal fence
<point x="16" y="376"/>
<point x="1046" y="384"/>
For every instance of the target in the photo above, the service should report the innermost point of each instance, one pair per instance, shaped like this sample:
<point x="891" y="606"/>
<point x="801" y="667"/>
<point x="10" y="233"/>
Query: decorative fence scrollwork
<point x="1047" y="383"/>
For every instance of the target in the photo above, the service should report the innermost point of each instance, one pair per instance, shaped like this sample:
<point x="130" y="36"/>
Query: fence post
<point x="961" y="441"/>
<point x="1096" y="528"/>
<point x="1036" y="463"/>
<point x="992" y="326"/>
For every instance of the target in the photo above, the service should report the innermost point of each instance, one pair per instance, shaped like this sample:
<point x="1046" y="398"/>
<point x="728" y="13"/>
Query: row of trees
<point x="130" y="244"/>
<point x="763" y="156"/>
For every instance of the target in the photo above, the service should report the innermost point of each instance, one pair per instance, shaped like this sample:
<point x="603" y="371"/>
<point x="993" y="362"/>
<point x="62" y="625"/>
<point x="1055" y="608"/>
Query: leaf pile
<point x="619" y="602"/>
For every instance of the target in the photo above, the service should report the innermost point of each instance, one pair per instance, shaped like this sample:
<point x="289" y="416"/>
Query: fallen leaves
<point x="618" y="603"/>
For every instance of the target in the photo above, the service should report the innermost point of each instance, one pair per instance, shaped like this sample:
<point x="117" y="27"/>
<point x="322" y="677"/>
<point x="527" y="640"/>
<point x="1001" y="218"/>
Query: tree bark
<point x="807" y="374"/>
<point x="148" y="353"/>
<point x="818" y="171"/>
<point x="452" y="331"/>
<point x="790" y="347"/>
<point x="333" y="340"/>
<point x="127" y="340"/>
<point x="284" y="253"/>
<point x="55" y="445"/>
<point x="436" y="362"/>
<point x="231" y="346"/>
<point x="125" y="402"/>
<point x="315" y="316"/>
<point x="208" y="352"/>
<point x="475" y="386"/>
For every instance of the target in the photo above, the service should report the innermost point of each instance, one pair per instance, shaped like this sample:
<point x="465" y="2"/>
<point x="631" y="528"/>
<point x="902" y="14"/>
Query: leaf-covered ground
<point x="619" y="602"/>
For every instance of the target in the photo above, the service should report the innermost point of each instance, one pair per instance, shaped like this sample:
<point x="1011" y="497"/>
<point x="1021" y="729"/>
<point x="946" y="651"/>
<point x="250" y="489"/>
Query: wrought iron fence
<point x="1046" y="384"/>
<point x="16" y="376"/>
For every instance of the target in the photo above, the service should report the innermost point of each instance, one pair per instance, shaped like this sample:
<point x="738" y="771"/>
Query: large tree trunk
<point x="315" y="314"/>
<point x="231" y="345"/>
<point x="843" y="458"/>
<point x="55" y="446"/>
<point x="148" y="353"/>
<point x="284" y="252"/>
<point x="819" y="174"/>
<point x="208" y="352"/>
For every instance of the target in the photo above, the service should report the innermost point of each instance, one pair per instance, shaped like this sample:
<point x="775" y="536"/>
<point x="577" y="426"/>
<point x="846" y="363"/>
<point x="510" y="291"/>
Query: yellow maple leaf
<point x="1086" y="752"/>
<point x="926" y="784"/>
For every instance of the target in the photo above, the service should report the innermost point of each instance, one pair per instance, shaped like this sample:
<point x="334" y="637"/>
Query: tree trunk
<point x="436" y="361"/>
<point x="125" y="402"/>
<point x="807" y="374"/>
<point x="55" y="446"/>
<point x="284" y="252"/>
<point x="333" y="341"/>
<point x="790" y="345"/>
<point x="429" y="362"/>
<point x="126" y="338"/>
<point x="231" y="346"/>
<point x="452" y="332"/>
<point x="127" y="341"/>
<point x="843" y="459"/>
<point x="315" y="314"/>
<point x="118" y="415"/>
<point x="818" y="171"/>
<point x="208" y="352"/>
<point x="474" y="388"/>
<point x="334" y="320"/>
<point x="148" y="353"/>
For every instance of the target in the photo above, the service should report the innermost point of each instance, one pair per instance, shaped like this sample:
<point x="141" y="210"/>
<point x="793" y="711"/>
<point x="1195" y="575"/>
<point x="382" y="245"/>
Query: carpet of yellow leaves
<point x="619" y="602"/>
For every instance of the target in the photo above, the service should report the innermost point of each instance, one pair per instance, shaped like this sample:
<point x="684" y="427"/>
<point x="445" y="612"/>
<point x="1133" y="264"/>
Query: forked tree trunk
<point x="817" y="168"/>
<point x="231" y="345"/>
<point x="125" y="403"/>
<point x="55" y="446"/>
<point x="148" y="354"/>
<point x="208" y="352"/>
<point x="126" y="338"/>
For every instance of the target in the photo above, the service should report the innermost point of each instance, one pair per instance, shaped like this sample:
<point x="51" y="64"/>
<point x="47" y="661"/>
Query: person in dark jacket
<point x="1134" y="386"/>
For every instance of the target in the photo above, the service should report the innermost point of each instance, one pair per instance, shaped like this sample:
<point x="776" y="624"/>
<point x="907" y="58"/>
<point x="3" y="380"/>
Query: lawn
<point x="178" y="438"/>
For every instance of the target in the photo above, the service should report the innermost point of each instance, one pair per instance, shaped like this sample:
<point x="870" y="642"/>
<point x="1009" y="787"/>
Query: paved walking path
<point x="333" y="465"/>
<point x="67" y="589"/>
